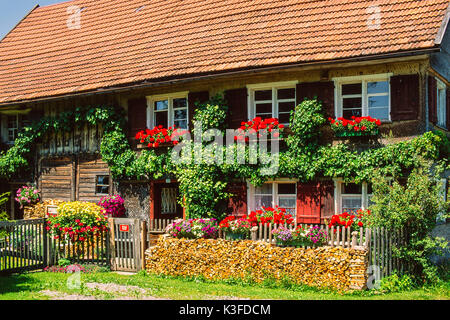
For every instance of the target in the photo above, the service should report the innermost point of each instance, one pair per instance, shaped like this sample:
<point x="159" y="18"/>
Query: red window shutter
<point x="432" y="99"/>
<point x="324" y="91"/>
<point x="237" y="205"/>
<point x="237" y="107"/>
<point x="405" y="100"/>
<point x="137" y="116"/>
<point x="315" y="201"/>
<point x="193" y="98"/>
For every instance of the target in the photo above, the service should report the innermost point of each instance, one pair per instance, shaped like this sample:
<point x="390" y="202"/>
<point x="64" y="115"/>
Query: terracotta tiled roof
<point x="129" y="41"/>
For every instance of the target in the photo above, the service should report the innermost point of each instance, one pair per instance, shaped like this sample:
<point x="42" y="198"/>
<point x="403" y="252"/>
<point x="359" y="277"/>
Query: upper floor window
<point x="441" y="104"/>
<point x="270" y="194"/>
<point x="363" y="96"/>
<point x="168" y="110"/>
<point x="272" y="101"/>
<point x="12" y="126"/>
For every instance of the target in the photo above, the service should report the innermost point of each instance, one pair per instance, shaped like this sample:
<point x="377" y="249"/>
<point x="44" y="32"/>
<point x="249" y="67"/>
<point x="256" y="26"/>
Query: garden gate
<point x="23" y="245"/>
<point x="125" y="244"/>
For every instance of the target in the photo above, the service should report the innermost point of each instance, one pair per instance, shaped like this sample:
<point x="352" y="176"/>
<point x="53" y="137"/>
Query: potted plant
<point x="268" y="215"/>
<point x="193" y="229"/>
<point x="26" y="197"/>
<point x="114" y="206"/>
<point x="158" y="137"/>
<point x="316" y="237"/>
<point x="283" y="236"/>
<point x="259" y="126"/>
<point x="235" y="228"/>
<point x="356" y="127"/>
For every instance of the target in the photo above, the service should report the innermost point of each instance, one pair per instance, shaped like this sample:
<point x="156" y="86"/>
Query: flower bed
<point x="77" y="221"/>
<point x="357" y="126"/>
<point x="193" y="229"/>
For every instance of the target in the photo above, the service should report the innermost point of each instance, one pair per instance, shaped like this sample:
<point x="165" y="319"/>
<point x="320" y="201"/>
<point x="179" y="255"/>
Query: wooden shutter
<point x="237" y="107"/>
<point x="193" y="98"/>
<point x="405" y="99"/>
<point x="432" y="99"/>
<point x="237" y="205"/>
<point x="324" y="91"/>
<point x="315" y="201"/>
<point x="137" y="116"/>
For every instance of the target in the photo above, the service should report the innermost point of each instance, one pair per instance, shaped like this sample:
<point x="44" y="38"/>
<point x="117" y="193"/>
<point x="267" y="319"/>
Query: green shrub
<point x="396" y="283"/>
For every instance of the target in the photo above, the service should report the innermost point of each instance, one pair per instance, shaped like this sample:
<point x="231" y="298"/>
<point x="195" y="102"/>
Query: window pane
<point x="263" y="201"/>
<point x="161" y="119"/>
<point x="378" y="101"/>
<point x="286" y="188"/>
<point x="102" y="190"/>
<point x="179" y="103"/>
<point x="180" y="114"/>
<point x="352" y="103"/>
<point x="266" y="188"/>
<point x="263" y="108"/>
<point x="162" y="105"/>
<point x="12" y="122"/>
<point x="354" y="88"/>
<point x="286" y="93"/>
<point x="379" y="113"/>
<point x="286" y="106"/>
<point x="103" y="180"/>
<point x="284" y="118"/>
<point x="351" y="188"/>
<point x="288" y="203"/>
<point x="182" y="124"/>
<point x="347" y="114"/>
<point x="377" y="87"/>
<point x="351" y="204"/>
<point x="263" y="95"/>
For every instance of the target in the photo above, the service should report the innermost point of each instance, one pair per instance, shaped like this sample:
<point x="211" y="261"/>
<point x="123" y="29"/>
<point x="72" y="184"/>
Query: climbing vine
<point x="203" y="187"/>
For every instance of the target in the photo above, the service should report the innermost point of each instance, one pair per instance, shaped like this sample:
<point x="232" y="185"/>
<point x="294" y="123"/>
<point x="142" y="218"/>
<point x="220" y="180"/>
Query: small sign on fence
<point x="124" y="227"/>
<point x="51" y="210"/>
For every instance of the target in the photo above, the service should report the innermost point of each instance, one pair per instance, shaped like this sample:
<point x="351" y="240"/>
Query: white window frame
<point x="274" y="86"/>
<point x="441" y="104"/>
<point x="19" y="115"/>
<point x="338" y="196"/>
<point x="170" y="110"/>
<point x="275" y="201"/>
<point x="339" y="81"/>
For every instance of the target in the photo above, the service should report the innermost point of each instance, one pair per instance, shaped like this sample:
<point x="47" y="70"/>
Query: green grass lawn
<point x="28" y="286"/>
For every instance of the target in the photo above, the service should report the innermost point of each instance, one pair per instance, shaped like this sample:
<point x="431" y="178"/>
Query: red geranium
<point x="259" y="126"/>
<point x="268" y="215"/>
<point x="366" y="125"/>
<point x="159" y="135"/>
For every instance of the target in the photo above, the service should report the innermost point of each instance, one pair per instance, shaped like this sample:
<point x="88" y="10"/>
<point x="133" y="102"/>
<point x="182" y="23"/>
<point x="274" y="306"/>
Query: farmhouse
<point x="158" y="60"/>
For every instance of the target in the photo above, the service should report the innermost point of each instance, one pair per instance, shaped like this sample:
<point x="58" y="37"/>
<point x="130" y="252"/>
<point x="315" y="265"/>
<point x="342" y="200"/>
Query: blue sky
<point x="12" y="11"/>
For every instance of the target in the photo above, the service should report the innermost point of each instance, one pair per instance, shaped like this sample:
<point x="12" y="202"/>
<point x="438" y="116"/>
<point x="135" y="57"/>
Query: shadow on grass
<point x="14" y="283"/>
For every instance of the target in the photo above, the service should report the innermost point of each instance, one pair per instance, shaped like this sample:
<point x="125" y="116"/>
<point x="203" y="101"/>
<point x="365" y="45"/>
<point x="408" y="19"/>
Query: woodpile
<point x="338" y="268"/>
<point x="38" y="210"/>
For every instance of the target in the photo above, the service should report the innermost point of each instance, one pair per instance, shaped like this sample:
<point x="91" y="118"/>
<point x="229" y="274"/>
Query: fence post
<point x="253" y="232"/>
<point x="112" y="245"/>
<point x="354" y="235"/>
<point x="143" y="243"/>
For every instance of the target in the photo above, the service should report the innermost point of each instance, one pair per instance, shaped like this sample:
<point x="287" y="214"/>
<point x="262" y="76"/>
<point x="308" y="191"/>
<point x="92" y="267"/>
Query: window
<point x="363" y="96"/>
<point x="102" y="185"/>
<point x="441" y="104"/>
<point x="282" y="194"/>
<point x="168" y="110"/>
<point x="168" y="200"/>
<point x="14" y="123"/>
<point x="272" y="101"/>
<point x="352" y="197"/>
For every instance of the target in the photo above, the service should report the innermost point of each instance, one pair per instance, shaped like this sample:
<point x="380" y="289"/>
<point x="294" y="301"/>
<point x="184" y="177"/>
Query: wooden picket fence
<point x="26" y="245"/>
